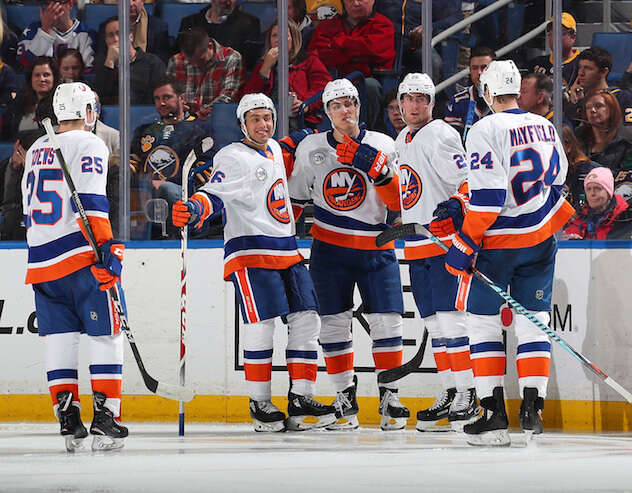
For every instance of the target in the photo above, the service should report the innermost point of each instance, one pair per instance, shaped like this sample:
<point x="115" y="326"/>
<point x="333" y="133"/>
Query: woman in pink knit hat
<point x="607" y="215"/>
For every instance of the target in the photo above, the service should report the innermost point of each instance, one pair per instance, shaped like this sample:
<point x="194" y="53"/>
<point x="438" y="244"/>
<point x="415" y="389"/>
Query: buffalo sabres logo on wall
<point x="277" y="202"/>
<point x="344" y="189"/>
<point x="163" y="163"/>
<point x="410" y="186"/>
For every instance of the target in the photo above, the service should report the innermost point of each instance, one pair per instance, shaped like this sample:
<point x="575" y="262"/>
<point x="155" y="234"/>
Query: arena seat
<point x="265" y="11"/>
<point x="139" y="115"/>
<point x="95" y="13"/>
<point x="225" y="125"/>
<point x="6" y="150"/>
<point x="619" y="45"/>
<point x="173" y="12"/>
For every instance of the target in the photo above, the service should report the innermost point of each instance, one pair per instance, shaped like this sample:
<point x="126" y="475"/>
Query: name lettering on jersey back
<point x="43" y="156"/>
<point x="531" y="133"/>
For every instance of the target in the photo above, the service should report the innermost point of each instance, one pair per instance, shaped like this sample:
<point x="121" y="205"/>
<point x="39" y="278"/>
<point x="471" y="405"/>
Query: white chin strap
<point x="488" y="103"/>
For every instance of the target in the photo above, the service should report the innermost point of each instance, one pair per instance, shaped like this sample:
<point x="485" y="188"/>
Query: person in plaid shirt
<point x="211" y="72"/>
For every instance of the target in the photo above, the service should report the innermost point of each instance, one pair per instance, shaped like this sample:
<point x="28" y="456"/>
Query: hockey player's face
<point x="344" y="114"/>
<point x="417" y="109"/>
<point x="260" y="125"/>
<point x="168" y="104"/>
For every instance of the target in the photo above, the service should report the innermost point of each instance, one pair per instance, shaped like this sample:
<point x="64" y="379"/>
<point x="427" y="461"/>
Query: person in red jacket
<point x="307" y="75"/>
<point x="357" y="40"/>
<point x="607" y="215"/>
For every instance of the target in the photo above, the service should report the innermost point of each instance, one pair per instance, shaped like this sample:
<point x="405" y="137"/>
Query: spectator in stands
<point x="606" y="216"/>
<point x="145" y="68"/>
<point x="211" y="72"/>
<point x="468" y="106"/>
<point x="230" y="27"/>
<point x="71" y="66"/>
<point x="160" y="149"/>
<point x="42" y="77"/>
<point x="56" y="30"/>
<point x="406" y="17"/>
<point x="307" y="75"/>
<point x="357" y="40"/>
<point x="109" y="135"/>
<point x="8" y="42"/>
<point x="602" y="136"/>
<point x="394" y="122"/>
<point x="297" y="11"/>
<point x="544" y="64"/>
<point x="10" y="84"/>
<point x="151" y="34"/>
<point x="578" y="167"/>
<point x="594" y="66"/>
<point x="11" y="170"/>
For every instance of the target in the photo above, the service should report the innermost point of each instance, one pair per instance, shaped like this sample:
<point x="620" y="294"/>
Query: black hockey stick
<point x="159" y="388"/>
<point x="388" y="376"/>
<point x="414" y="229"/>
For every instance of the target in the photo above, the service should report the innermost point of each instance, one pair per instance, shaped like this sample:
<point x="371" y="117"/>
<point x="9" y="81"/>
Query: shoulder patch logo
<point x="410" y="186"/>
<point x="344" y="189"/>
<point x="277" y="202"/>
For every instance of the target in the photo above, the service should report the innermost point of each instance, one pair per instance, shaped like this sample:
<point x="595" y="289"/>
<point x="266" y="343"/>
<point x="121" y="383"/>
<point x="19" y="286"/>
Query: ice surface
<point x="223" y="457"/>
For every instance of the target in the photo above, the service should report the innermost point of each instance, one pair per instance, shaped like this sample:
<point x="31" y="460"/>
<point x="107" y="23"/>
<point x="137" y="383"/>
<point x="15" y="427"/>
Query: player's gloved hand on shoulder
<point x="363" y="157"/>
<point x="449" y="215"/>
<point x="187" y="213"/>
<point x="459" y="258"/>
<point x="290" y="142"/>
<point x="109" y="271"/>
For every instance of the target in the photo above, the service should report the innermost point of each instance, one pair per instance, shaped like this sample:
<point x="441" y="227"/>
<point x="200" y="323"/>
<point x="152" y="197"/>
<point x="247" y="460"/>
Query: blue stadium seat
<point x="95" y="13"/>
<point x="225" y="125"/>
<point x="619" y="45"/>
<point x="172" y="13"/>
<point x="139" y="115"/>
<point x="6" y="150"/>
<point x="23" y="15"/>
<point x="265" y="11"/>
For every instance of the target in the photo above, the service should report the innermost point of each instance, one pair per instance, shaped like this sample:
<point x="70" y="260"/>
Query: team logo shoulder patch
<point x="344" y="189"/>
<point x="277" y="202"/>
<point x="410" y="185"/>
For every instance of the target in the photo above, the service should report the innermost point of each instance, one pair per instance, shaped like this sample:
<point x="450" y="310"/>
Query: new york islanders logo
<point x="277" y="202"/>
<point x="410" y="185"/>
<point x="344" y="189"/>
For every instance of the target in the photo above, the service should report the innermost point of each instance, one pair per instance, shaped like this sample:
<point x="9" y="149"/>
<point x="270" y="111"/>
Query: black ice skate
<point x="347" y="409"/>
<point x="108" y="434"/>
<point x="435" y="418"/>
<point x="530" y="412"/>
<point x="490" y="429"/>
<point x="266" y="416"/>
<point x="72" y="428"/>
<point x="305" y="413"/>
<point x="463" y="409"/>
<point x="394" y="414"/>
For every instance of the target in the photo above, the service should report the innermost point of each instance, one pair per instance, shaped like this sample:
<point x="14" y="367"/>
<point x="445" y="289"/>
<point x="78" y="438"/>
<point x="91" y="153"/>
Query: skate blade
<point x="459" y="424"/>
<point x="495" y="438"/>
<point x="272" y="427"/>
<point x="530" y="436"/>
<point x="73" y="443"/>
<point x="434" y="426"/>
<point x="389" y="423"/>
<point x="104" y="443"/>
<point x="345" y="423"/>
<point x="303" y="423"/>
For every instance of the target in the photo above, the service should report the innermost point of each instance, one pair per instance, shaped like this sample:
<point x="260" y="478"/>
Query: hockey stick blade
<point x="398" y="232"/>
<point x="388" y="376"/>
<point x="174" y="392"/>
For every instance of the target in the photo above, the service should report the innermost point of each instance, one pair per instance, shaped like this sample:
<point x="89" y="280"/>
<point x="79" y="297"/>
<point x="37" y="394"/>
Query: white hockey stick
<point x="206" y="145"/>
<point x="414" y="229"/>
<point x="159" y="388"/>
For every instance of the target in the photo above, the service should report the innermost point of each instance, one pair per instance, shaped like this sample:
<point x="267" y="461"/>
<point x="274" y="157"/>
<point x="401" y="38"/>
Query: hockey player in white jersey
<point x="71" y="292"/>
<point x="517" y="170"/>
<point x="261" y="258"/>
<point x="346" y="179"/>
<point x="433" y="174"/>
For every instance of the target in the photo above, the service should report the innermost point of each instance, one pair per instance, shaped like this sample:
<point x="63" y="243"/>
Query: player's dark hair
<point x="543" y="84"/>
<point x="170" y="80"/>
<point x="599" y="56"/>
<point x="193" y="39"/>
<point x="482" y="51"/>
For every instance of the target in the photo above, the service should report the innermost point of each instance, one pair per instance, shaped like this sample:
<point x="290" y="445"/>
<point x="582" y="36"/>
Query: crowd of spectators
<point x="221" y="53"/>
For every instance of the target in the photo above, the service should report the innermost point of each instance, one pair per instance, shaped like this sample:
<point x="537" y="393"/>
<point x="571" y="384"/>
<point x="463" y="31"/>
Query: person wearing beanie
<point x="606" y="216"/>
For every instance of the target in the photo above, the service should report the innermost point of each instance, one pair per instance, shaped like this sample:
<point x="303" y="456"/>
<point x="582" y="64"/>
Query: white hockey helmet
<point x="416" y="83"/>
<point x="251" y="102"/>
<point x="72" y="101"/>
<point x="339" y="88"/>
<point x="500" y="77"/>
